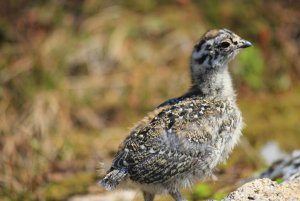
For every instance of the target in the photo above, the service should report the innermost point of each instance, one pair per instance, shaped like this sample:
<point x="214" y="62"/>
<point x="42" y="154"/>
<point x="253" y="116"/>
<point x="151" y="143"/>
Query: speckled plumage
<point x="184" y="138"/>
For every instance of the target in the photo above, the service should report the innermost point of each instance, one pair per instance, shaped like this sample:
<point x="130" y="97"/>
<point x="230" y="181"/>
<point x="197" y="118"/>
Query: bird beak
<point x="245" y="44"/>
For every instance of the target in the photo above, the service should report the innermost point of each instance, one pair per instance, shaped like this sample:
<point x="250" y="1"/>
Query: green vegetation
<point x="253" y="67"/>
<point x="202" y="191"/>
<point x="75" y="75"/>
<point x="279" y="180"/>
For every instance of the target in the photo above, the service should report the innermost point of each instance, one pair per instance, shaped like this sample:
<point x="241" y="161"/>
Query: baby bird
<point x="184" y="138"/>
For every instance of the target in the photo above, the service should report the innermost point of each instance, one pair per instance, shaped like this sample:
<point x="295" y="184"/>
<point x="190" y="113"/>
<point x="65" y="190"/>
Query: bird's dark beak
<point x="245" y="44"/>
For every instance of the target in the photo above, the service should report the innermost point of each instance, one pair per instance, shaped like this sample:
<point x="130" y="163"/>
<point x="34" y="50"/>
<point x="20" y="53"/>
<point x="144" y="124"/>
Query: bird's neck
<point x="212" y="83"/>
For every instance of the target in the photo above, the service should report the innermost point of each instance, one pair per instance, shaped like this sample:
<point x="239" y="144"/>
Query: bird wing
<point x="170" y="141"/>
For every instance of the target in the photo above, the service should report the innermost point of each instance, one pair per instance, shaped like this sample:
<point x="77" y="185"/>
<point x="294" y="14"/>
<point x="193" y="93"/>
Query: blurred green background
<point x="76" y="75"/>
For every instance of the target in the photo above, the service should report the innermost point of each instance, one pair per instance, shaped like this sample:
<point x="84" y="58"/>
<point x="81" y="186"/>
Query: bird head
<point x="216" y="48"/>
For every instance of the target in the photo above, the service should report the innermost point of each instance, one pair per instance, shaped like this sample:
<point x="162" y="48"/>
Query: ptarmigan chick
<point x="184" y="138"/>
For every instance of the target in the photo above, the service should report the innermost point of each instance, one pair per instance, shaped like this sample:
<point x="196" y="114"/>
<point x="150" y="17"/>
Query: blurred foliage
<point x="253" y="67"/>
<point x="74" y="185"/>
<point x="219" y="196"/>
<point x="76" y="74"/>
<point x="279" y="180"/>
<point x="202" y="191"/>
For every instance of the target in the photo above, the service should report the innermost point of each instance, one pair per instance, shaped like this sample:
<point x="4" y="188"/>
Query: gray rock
<point x="287" y="168"/>
<point x="271" y="152"/>
<point x="267" y="190"/>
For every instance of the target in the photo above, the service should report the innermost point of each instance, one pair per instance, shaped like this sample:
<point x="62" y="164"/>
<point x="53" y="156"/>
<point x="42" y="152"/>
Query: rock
<point x="263" y="188"/>
<point x="287" y="168"/>
<point x="266" y="190"/>
<point x="271" y="152"/>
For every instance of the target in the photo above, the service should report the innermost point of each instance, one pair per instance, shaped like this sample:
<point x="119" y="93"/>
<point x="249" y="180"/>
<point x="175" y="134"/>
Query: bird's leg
<point x="177" y="196"/>
<point x="148" y="196"/>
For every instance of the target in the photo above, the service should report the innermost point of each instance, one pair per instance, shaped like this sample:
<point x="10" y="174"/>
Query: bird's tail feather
<point x="112" y="179"/>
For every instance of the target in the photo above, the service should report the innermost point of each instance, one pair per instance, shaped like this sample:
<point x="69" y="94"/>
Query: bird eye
<point x="224" y="44"/>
